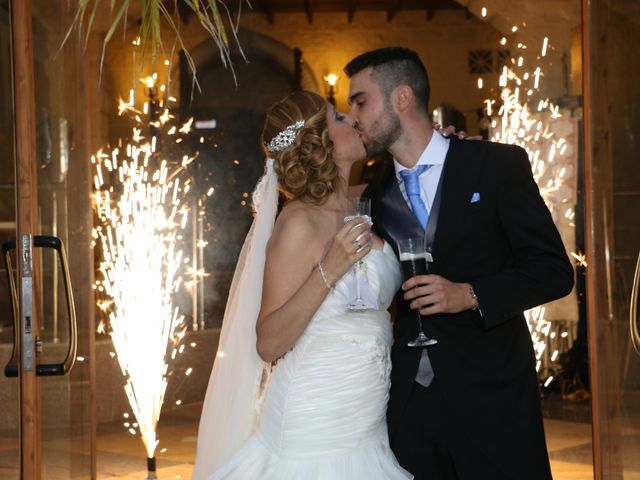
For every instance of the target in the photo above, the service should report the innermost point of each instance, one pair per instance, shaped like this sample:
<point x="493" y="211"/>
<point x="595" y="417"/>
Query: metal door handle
<point x="47" y="369"/>
<point x="11" y="370"/>
<point x="633" y="308"/>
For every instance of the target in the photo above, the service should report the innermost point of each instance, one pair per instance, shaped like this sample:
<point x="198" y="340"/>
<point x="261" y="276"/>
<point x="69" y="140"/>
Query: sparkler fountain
<point x="142" y="207"/>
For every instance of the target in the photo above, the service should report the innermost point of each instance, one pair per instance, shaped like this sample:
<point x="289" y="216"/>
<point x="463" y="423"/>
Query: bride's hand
<point x="351" y="243"/>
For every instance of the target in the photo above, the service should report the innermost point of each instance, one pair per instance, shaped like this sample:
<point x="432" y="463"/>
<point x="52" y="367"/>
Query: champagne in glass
<point x="360" y="207"/>
<point x="415" y="261"/>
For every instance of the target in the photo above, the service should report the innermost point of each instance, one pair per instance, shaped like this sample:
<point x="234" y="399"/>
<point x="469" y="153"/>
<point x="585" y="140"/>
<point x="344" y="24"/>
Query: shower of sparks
<point x="539" y="329"/>
<point x="581" y="259"/>
<point x="196" y="276"/>
<point x="522" y="116"/>
<point x="140" y="200"/>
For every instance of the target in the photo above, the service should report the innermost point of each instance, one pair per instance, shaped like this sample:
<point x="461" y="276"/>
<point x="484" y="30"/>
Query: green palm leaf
<point x="208" y="13"/>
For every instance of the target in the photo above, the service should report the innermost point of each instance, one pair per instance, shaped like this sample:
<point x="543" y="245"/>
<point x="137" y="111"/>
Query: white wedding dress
<point x="323" y="414"/>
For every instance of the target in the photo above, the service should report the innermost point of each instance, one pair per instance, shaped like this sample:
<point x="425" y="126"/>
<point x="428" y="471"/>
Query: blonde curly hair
<point x="306" y="170"/>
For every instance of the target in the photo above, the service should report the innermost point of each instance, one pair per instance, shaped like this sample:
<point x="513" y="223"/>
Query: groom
<point x="468" y="407"/>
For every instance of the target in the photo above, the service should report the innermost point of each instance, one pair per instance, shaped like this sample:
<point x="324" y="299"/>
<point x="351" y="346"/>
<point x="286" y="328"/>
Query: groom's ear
<point x="402" y="97"/>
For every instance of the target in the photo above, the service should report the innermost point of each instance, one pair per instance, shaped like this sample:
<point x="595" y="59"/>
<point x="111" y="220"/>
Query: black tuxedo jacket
<point x="507" y="246"/>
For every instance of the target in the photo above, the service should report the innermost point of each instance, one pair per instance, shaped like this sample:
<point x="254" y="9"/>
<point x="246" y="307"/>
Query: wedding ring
<point x="359" y="245"/>
<point x="360" y="237"/>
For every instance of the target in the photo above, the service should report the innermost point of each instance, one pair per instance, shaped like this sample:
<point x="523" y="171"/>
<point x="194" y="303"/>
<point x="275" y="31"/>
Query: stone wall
<point x="443" y="43"/>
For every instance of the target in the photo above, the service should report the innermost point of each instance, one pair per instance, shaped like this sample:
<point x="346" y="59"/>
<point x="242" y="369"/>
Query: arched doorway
<point x="229" y="119"/>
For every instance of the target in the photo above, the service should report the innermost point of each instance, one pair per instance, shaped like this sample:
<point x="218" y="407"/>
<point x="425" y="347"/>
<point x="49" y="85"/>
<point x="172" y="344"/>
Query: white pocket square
<point x="475" y="197"/>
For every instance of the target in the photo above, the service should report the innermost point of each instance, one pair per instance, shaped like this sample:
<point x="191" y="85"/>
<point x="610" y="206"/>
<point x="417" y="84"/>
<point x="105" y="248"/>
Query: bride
<point x="299" y="386"/>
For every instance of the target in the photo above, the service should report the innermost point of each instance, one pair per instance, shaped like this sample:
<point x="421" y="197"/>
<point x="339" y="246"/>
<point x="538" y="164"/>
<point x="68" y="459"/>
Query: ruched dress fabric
<point x="323" y="414"/>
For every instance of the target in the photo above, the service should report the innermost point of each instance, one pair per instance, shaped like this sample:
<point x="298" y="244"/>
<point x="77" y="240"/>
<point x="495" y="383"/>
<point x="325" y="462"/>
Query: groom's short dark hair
<point x="393" y="66"/>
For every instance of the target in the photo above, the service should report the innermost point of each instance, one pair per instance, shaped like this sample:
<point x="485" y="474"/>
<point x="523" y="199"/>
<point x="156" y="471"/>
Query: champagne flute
<point x="415" y="260"/>
<point x="359" y="207"/>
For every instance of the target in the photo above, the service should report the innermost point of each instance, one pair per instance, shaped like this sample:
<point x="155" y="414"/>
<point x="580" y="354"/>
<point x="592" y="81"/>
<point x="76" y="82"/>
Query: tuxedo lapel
<point x="462" y="168"/>
<point x="396" y="219"/>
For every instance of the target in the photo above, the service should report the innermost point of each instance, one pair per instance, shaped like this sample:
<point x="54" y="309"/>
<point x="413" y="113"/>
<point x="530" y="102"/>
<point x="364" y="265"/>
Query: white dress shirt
<point x="434" y="154"/>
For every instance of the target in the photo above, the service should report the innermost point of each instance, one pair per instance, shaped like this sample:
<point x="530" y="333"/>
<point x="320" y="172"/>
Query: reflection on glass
<point x="64" y="212"/>
<point x="615" y="151"/>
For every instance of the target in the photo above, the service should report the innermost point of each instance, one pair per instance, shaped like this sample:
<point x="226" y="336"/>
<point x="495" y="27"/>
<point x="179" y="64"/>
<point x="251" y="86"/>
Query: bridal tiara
<point x="285" y="138"/>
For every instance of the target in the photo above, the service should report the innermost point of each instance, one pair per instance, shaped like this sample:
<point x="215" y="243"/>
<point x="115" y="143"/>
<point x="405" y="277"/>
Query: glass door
<point x="48" y="431"/>
<point x="612" y="194"/>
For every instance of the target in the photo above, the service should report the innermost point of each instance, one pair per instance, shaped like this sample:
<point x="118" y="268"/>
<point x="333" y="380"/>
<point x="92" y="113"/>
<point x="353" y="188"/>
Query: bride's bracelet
<point x="329" y="286"/>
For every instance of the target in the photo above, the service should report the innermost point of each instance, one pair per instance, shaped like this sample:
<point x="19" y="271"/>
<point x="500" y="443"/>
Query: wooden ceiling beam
<point x="429" y="13"/>
<point x="308" y="8"/>
<point x="268" y="10"/>
<point x="393" y="10"/>
<point x="351" y="9"/>
<point x="430" y="10"/>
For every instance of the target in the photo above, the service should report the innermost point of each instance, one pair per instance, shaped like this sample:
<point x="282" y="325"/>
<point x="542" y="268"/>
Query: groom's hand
<point x="435" y="294"/>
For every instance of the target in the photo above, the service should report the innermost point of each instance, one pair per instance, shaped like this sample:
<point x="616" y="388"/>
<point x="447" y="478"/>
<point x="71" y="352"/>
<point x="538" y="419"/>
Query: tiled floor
<point x="122" y="456"/>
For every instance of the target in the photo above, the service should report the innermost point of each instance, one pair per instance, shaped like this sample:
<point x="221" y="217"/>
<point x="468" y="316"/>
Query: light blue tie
<point x="412" y="186"/>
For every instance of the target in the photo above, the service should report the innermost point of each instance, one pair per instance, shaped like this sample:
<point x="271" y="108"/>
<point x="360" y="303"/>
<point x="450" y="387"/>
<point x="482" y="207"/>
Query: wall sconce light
<point x="331" y="88"/>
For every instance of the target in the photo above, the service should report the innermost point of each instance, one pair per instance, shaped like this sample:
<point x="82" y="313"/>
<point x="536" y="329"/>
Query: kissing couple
<point x="304" y="388"/>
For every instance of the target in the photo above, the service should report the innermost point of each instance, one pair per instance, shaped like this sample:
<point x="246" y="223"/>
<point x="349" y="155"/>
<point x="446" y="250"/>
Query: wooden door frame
<point x="21" y="38"/>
